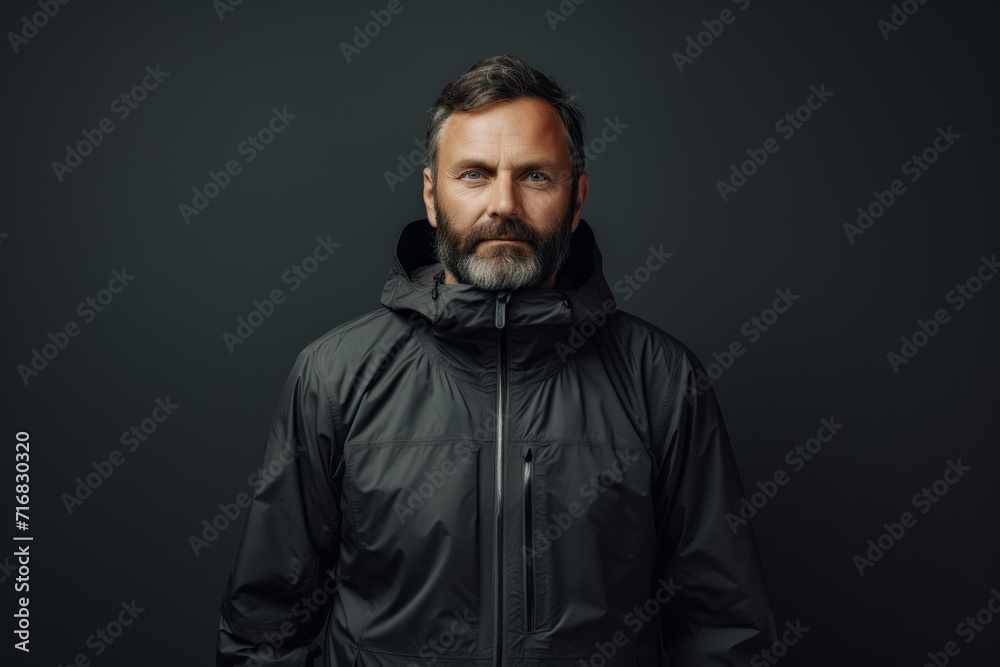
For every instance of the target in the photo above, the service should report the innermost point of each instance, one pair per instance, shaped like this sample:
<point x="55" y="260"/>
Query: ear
<point x="429" y="197"/>
<point x="581" y="196"/>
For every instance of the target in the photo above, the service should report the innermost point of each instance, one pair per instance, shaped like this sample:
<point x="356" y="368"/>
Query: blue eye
<point x="471" y="173"/>
<point x="538" y="173"/>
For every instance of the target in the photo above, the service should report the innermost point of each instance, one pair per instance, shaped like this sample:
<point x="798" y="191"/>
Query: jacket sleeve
<point x="721" y="613"/>
<point x="279" y="591"/>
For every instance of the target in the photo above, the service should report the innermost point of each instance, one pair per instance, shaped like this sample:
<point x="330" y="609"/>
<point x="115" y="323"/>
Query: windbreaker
<point x="497" y="479"/>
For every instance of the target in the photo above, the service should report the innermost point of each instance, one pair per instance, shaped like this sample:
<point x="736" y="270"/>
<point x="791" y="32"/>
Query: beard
<point x="502" y="266"/>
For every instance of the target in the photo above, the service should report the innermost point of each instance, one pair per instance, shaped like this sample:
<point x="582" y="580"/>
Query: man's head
<point x="504" y="160"/>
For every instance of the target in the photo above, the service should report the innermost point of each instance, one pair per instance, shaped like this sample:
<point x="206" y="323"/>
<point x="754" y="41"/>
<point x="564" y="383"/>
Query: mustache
<point x="507" y="228"/>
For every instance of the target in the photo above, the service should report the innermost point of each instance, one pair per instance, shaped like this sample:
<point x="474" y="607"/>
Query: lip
<point x="505" y="240"/>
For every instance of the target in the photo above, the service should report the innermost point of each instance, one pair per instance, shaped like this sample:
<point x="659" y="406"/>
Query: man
<point x="499" y="466"/>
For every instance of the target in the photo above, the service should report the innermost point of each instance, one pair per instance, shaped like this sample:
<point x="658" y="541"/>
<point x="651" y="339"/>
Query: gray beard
<point x="508" y="267"/>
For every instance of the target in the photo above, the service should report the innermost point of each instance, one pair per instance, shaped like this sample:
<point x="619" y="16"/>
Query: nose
<point x="504" y="198"/>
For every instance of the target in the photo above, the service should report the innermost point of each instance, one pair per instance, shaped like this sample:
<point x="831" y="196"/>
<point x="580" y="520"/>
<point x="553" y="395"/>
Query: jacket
<point x="499" y="479"/>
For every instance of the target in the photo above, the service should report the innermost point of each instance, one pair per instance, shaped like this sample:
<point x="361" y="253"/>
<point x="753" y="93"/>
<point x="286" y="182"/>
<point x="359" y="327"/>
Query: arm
<point x="269" y="610"/>
<point x="721" y="615"/>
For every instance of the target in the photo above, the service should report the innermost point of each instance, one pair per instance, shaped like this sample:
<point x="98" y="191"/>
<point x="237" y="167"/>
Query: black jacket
<point x="464" y="477"/>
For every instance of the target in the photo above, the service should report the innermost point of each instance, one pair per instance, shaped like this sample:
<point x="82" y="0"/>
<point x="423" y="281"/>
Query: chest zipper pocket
<point x="528" y="548"/>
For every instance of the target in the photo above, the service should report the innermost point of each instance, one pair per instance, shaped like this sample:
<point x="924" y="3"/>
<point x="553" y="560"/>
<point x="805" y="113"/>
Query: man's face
<point x="503" y="172"/>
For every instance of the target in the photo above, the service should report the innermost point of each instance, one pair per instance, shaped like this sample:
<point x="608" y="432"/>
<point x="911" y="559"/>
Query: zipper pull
<point x="501" y="311"/>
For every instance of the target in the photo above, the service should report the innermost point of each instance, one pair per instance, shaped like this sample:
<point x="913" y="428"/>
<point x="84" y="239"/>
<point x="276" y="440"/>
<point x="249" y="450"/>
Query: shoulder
<point x="351" y="338"/>
<point x="657" y="346"/>
<point x="346" y="358"/>
<point x="343" y="350"/>
<point x="673" y="376"/>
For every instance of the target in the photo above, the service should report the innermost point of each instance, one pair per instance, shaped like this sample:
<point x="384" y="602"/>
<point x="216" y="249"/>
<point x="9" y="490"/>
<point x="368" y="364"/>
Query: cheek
<point x="545" y="208"/>
<point x="463" y="204"/>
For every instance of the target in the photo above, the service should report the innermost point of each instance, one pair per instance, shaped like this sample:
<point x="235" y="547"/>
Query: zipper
<point x="529" y="549"/>
<point x="500" y="320"/>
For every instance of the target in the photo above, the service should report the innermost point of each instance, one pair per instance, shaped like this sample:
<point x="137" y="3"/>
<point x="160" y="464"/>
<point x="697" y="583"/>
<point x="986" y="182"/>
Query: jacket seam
<point x="416" y="442"/>
<point x="660" y="435"/>
<point x="364" y="553"/>
<point x="345" y="492"/>
<point x="669" y="343"/>
<point x="338" y="431"/>
<point x="352" y="324"/>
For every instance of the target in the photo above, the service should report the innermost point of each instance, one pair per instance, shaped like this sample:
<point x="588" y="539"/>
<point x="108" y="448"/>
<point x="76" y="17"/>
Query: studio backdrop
<point x="194" y="191"/>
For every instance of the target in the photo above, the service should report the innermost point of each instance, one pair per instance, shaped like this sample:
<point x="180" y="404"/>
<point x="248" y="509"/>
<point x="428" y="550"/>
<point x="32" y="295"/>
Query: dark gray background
<point x="655" y="184"/>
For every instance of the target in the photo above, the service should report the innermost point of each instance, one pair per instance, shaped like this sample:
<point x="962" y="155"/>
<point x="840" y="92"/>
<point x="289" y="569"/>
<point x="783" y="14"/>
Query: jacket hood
<point x="463" y="317"/>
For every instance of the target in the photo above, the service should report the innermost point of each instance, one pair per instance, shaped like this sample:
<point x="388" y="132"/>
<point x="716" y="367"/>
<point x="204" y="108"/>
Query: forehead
<point x="512" y="126"/>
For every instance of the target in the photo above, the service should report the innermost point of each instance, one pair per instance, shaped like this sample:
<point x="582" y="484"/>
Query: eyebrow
<point x="476" y="163"/>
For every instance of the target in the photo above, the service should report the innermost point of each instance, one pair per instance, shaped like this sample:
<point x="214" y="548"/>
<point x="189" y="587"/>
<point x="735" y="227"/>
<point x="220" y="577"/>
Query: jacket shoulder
<point x="345" y="358"/>
<point x="672" y="374"/>
<point x="334" y="354"/>
<point x="351" y="337"/>
<point x="663" y="346"/>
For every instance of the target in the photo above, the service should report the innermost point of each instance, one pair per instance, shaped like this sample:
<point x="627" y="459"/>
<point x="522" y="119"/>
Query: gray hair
<point x="501" y="78"/>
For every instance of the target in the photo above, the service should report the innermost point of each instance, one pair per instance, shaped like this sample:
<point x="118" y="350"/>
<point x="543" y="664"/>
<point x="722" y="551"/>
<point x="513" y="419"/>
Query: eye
<point x="470" y="173"/>
<point x="537" y="180"/>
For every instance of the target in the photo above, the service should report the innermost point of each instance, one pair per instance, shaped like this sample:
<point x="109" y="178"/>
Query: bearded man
<point x="498" y="467"/>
